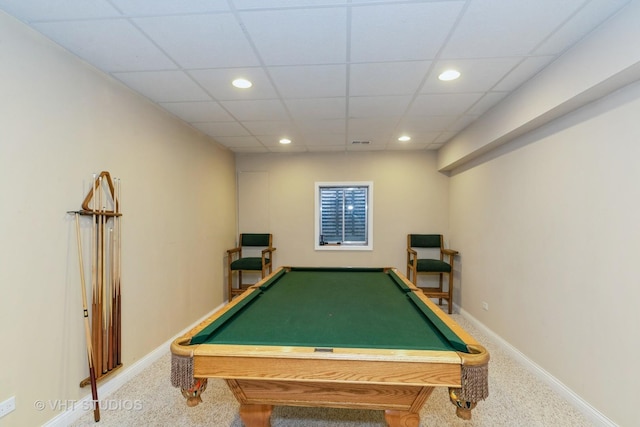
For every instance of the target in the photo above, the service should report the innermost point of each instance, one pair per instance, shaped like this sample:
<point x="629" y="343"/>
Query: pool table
<point x="332" y="337"/>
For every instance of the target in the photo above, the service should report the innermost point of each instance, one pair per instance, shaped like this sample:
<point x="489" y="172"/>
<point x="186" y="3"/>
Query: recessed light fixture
<point x="404" y="138"/>
<point x="449" y="75"/>
<point x="285" y="141"/>
<point x="242" y="83"/>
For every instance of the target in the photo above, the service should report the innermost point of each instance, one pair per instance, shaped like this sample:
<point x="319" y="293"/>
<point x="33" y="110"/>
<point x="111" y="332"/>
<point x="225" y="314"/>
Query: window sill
<point x="340" y="247"/>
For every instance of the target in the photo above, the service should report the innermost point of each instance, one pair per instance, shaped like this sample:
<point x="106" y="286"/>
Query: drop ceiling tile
<point x="488" y="101"/>
<point x="274" y="140"/>
<point x="262" y="4"/>
<point x="443" y="138"/>
<point x="317" y="108"/>
<point x="386" y="78"/>
<point x="198" y="111"/>
<point x="495" y="28"/>
<point x="216" y="129"/>
<point x="167" y="7"/>
<point x="164" y="86"/>
<point x="298" y="36"/>
<point x="400" y="32"/>
<point x="325" y="140"/>
<point x="250" y="150"/>
<point x="581" y="24"/>
<point x="201" y="41"/>
<point x="110" y="44"/>
<point x="367" y="128"/>
<point x="366" y="147"/>
<point x="417" y="138"/>
<point x="281" y="129"/>
<point x="291" y="148"/>
<point x="411" y="124"/>
<point x="411" y="146"/>
<point x="218" y="83"/>
<point x="378" y="106"/>
<point x="477" y="75"/>
<point x="385" y="1"/>
<point x="38" y="10"/>
<point x="462" y="122"/>
<point x="320" y="126"/>
<point x="310" y="81"/>
<point x="239" y="141"/>
<point x="325" y="148"/>
<point x="256" y="110"/>
<point x="449" y="104"/>
<point x="523" y="72"/>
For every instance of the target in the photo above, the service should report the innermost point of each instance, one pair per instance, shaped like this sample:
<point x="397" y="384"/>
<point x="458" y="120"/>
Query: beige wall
<point x="410" y="196"/>
<point x="549" y="238"/>
<point x="61" y="121"/>
<point x="544" y="205"/>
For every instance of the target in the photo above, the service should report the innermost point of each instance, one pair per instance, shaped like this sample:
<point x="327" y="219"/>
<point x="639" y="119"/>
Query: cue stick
<point x="112" y="287"/>
<point x="97" y="313"/>
<point x="87" y="331"/>
<point x="100" y="350"/>
<point x="112" y="324"/>
<point x="103" y="290"/>
<point x="118" y="277"/>
<point x="116" y="320"/>
<point x="109" y="324"/>
<point x="98" y="278"/>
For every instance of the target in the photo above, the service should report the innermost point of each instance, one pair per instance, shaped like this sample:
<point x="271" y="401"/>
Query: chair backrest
<point x="424" y="240"/>
<point x="255" y="239"/>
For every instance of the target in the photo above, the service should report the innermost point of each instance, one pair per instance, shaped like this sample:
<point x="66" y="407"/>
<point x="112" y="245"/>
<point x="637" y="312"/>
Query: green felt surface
<point x="353" y="308"/>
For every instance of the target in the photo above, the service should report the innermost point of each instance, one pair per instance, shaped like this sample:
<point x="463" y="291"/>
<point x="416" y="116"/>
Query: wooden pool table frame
<point x="396" y="381"/>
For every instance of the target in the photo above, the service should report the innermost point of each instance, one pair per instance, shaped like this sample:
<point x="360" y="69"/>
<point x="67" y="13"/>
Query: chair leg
<point x="230" y="284"/>
<point x="440" y="289"/>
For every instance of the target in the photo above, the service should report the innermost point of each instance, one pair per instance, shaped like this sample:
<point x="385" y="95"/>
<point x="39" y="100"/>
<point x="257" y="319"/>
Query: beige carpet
<point x="516" y="398"/>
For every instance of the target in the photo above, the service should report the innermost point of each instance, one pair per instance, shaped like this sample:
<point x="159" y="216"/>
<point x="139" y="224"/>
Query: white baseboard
<point x="106" y="388"/>
<point x="583" y="406"/>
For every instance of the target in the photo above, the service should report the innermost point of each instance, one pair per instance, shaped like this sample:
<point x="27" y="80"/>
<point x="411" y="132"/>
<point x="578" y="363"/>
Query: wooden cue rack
<point x="102" y="204"/>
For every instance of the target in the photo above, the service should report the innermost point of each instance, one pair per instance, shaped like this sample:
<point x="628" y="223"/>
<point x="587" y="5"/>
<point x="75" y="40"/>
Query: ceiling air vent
<point x="361" y="142"/>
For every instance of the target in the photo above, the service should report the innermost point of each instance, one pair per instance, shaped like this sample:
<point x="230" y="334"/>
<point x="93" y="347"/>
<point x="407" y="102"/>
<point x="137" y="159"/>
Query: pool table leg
<point x="256" y="415"/>
<point x="401" y="418"/>
<point x="463" y="407"/>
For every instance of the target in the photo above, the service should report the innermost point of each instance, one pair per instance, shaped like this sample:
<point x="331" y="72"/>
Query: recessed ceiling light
<point x="449" y="75"/>
<point x="285" y="141"/>
<point x="242" y="83"/>
<point x="404" y="138"/>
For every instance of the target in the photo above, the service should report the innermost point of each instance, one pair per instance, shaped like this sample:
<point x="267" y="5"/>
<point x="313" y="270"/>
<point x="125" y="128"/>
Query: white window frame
<point x="369" y="212"/>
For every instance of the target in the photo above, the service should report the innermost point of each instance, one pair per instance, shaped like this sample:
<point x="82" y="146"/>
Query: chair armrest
<point x="270" y="252"/>
<point x="232" y="252"/>
<point x="412" y="256"/>
<point x="451" y="254"/>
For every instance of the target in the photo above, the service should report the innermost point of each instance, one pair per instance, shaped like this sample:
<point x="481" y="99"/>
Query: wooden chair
<point x="236" y="262"/>
<point x="416" y="265"/>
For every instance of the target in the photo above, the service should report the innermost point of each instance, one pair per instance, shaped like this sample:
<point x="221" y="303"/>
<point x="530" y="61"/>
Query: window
<point x="343" y="216"/>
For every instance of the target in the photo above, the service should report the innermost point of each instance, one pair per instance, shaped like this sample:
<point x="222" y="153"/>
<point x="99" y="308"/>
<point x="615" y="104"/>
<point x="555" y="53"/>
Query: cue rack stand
<point x="102" y="205"/>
